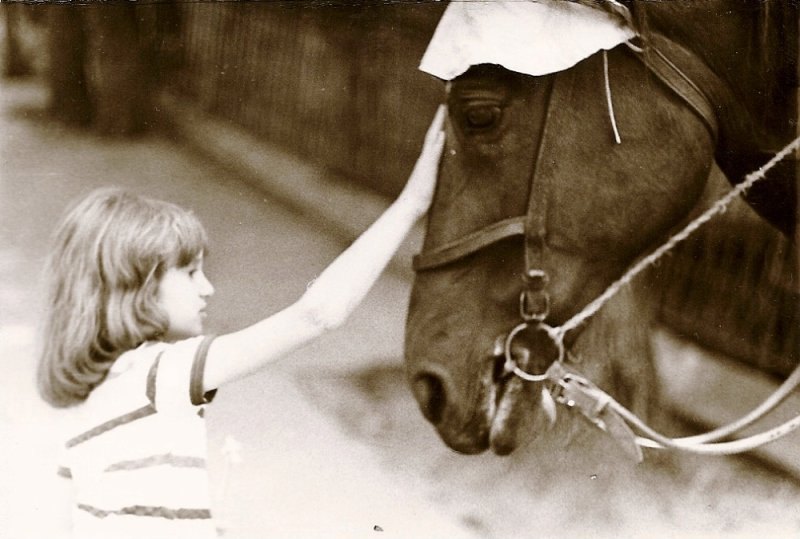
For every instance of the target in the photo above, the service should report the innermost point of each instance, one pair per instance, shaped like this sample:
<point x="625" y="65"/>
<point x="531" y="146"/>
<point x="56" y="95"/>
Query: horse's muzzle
<point x="502" y="412"/>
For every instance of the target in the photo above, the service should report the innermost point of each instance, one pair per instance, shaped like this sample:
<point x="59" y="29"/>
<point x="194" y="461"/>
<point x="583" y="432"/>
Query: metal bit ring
<point x="511" y="364"/>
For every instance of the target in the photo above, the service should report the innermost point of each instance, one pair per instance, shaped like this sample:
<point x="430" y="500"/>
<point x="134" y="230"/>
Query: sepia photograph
<point x="341" y="269"/>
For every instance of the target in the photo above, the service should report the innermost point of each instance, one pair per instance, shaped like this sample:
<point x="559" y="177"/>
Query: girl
<point x="123" y="343"/>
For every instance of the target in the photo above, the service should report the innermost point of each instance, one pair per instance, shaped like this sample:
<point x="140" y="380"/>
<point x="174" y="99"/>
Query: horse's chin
<point x="515" y="416"/>
<point x="499" y="424"/>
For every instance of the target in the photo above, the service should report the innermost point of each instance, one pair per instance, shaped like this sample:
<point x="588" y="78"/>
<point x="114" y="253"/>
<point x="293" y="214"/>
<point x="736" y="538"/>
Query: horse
<point x="546" y="196"/>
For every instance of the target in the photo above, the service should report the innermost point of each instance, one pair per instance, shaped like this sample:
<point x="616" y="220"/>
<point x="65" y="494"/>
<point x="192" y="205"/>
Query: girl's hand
<point x="419" y="190"/>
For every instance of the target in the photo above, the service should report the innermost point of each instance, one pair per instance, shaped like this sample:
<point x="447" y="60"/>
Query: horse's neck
<point x="751" y="45"/>
<point x="752" y="49"/>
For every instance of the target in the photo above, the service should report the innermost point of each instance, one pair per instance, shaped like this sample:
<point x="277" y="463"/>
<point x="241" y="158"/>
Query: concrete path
<point x="301" y="473"/>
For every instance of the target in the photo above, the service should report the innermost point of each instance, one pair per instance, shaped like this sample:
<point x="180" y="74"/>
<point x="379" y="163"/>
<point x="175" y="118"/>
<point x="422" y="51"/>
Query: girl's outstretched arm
<point x="339" y="289"/>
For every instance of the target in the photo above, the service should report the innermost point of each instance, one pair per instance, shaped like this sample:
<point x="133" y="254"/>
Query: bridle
<point x="566" y="386"/>
<point x="534" y="299"/>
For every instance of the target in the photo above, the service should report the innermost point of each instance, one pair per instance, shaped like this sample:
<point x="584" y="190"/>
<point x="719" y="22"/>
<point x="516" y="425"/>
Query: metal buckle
<point x="557" y="391"/>
<point x="535" y="282"/>
<point x="574" y="391"/>
<point x="527" y="313"/>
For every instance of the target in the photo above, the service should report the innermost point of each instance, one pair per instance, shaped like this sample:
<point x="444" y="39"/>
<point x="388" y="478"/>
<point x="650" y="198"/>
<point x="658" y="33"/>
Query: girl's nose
<point x="206" y="288"/>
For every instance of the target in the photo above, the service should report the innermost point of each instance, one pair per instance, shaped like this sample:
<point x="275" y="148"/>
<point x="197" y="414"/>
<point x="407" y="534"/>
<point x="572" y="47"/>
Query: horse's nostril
<point x="430" y="394"/>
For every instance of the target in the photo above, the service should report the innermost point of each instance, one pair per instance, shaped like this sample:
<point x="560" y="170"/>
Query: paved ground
<point x="332" y="443"/>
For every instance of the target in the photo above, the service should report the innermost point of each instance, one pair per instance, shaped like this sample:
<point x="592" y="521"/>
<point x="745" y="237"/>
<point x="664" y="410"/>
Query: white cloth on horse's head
<point x="534" y="37"/>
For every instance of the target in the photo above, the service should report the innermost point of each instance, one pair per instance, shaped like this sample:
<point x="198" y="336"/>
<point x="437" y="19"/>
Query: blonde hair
<point x="110" y="252"/>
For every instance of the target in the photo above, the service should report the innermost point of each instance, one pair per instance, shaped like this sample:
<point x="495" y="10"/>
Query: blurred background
<point x="288" y="126"/>
<point x="344" y="71"/>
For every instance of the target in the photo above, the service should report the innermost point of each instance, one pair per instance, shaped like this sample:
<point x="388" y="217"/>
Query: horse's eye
<point x="482" y="117"/>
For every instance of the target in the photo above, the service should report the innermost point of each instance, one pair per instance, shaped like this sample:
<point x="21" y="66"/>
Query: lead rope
<point x="659" y="441"/>
<point x="785" y="389"/>
<point x="597" y="401"/>
<point x="600" y="408"/>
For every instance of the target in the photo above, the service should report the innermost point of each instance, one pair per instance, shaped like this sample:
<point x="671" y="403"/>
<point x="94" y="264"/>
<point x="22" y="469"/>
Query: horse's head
<point x="540" y="149"/>
<point x="538" y="209"/>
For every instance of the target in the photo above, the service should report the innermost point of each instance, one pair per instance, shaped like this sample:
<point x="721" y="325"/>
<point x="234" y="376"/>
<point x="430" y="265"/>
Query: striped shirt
<point x="137" y="452"/>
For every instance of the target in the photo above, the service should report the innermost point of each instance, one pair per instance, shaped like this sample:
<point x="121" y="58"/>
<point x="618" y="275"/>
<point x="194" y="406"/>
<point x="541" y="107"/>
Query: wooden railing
<point x="336" y="85"/>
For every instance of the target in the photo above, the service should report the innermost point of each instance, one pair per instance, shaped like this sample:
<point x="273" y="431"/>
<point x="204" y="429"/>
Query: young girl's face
<point x="182" y="295"/>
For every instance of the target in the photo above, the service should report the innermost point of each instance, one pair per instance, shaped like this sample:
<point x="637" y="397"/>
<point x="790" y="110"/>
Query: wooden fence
<point x="734" y="288"/>
<point x="338" y="85"/>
